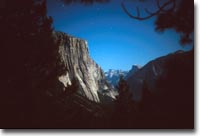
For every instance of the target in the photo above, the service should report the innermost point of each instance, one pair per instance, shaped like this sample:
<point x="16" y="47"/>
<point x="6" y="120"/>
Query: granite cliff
<point x="79" y="65"/>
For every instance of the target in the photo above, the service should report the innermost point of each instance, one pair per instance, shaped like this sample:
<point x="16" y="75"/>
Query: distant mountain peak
<point x="133" y="70"/>
<point x="135" y="66"/>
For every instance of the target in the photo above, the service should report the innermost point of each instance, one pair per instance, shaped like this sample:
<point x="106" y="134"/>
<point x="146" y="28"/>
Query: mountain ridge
<point x="154" y="70"/>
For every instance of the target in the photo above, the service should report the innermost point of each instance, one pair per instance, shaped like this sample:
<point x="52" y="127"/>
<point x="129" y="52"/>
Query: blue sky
<point x="115" y="41"/>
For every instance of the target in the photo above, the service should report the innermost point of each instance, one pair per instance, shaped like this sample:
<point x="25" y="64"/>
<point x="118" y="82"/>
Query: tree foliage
<point x="180" y="19"/>
<point x="171" y="14"/>
<point x="124" y="99"/>
<point x="30" y="58"/>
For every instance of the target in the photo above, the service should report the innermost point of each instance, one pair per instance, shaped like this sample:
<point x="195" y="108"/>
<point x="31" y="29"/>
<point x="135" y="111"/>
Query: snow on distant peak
<point x="114" y="75"/>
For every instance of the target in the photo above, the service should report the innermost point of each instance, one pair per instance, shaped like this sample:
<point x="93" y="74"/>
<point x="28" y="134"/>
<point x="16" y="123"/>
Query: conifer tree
<point x="124" y="99"/>
<point x="31" y="60"/>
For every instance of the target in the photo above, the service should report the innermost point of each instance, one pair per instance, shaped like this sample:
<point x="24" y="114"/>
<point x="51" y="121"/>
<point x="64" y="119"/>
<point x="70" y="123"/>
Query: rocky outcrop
<point x="78" y="64"/>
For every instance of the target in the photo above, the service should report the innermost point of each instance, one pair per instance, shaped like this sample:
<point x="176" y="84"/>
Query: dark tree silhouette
<point x="174" y="14"/>
<point x="124" y="113"/>
<point x="124" y="99"/>
<point x="30" y="92"/>
<point x="31" y="60"/>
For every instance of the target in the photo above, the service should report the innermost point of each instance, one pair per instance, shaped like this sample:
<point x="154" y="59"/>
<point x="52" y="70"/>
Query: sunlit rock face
<point x="78" y="64"/>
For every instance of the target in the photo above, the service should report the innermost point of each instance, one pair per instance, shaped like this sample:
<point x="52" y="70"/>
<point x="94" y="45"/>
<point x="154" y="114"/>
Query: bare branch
<point x="158" y="3"/>
<point x="150" y="14"/>
<point x="166" y="4"/>
<point x="138" y="11"/>
<point x="147" y="11"/>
